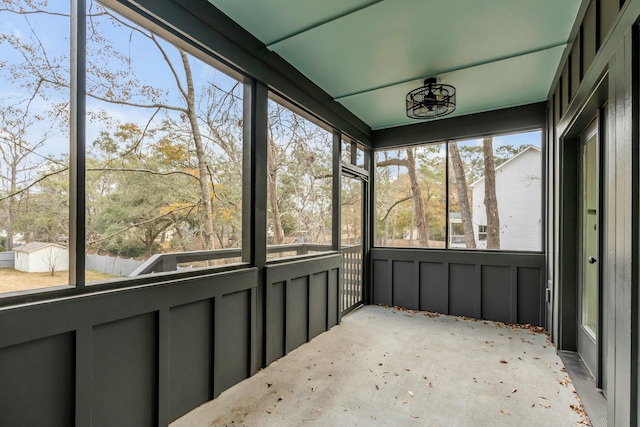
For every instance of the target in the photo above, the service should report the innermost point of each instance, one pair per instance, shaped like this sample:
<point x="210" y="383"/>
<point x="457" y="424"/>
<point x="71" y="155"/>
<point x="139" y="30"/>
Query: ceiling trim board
<point x="273" y="43"/>
<point x="496" y="122"/>
<point x="468" y="113"/>
<point x="452" y="70"/>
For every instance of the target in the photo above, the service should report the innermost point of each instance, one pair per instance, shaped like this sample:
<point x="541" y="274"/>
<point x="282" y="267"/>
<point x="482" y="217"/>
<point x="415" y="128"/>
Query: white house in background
<point x="39" y="257"/>
<point x="518" y="190"/>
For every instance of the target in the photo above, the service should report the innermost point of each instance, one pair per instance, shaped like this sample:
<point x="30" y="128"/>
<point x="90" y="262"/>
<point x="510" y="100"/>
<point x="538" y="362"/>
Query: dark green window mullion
<point x="254" y="185"/>
<point x="77" y="149"/>
<point x="336" y="192"/>
<point x="354" y="153"/>
<point x="447" y="202"/>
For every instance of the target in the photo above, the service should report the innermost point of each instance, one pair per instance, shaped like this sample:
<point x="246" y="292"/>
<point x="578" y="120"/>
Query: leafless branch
<point x="138" y="224"/>
<point x="393" y="206"/>
<point x="42" y="178"/>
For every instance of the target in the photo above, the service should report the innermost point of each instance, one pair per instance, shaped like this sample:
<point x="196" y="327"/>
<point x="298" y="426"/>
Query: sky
<point x="53" y="34"/>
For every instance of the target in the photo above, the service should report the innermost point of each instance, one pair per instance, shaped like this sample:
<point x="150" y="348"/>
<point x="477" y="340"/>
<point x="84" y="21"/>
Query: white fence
<point x="111" y="265"/>
<point x="7" y="259"/>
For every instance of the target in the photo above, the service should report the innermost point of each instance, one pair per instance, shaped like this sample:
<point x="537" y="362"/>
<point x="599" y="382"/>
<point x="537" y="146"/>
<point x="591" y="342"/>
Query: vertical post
<point x="336" y="222"/>
<point x="254" y="174"/>
<point x="254" y="197"/>
<point x="353" y="155"/>
<point x="77" y="114"/>
<point x="447" y="231"/>
<point x="367" y="228"/>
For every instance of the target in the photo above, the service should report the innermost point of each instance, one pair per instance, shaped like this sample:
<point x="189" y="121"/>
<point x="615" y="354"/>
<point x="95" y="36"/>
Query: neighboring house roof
<point x="511" y="160"/>
<point x="34" y="246"/>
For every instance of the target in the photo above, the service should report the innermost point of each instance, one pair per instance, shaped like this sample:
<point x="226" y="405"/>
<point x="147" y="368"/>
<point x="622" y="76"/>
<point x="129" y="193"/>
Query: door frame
<point x="593" y="355"/>
<point x="570" y="224"/>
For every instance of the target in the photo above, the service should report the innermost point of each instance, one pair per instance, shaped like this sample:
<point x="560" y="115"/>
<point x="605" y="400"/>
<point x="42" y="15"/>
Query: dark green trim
<point x="77" y="163"/>
<point x="509" y="120"/>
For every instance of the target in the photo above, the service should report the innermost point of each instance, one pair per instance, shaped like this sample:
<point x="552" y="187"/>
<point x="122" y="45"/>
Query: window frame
<point x="412" y="140"/>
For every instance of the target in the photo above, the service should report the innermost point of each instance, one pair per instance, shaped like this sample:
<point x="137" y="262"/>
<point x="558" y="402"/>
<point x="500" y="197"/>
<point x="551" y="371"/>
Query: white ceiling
<point x="367" y="54"/>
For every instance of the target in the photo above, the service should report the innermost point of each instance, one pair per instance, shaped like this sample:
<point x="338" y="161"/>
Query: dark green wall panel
<point x="496" y="293"/>
<point x="297" y="310"/>
<point x="530" y="296"/>
<point x="434" y="281"/>
<point x="382" y="285"/>
<point x="125" y="371"/>
<point x="37" y="382"/>
<point x="318" y="303"/>
<point x="333" y="309"/>
<point x="607" y="16"/>
<point x="275" y="324"/>
<point x="190" y="357"/>
<point x="233" y="339"/>
<point x="463" y="290"/>
<point x="470" y="283"/>
<point x="589" y="37"/>
<point x="406" y="286"/>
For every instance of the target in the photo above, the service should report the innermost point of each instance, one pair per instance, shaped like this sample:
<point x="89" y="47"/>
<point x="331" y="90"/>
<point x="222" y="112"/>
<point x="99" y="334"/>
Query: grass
<point x="13" y="280"/>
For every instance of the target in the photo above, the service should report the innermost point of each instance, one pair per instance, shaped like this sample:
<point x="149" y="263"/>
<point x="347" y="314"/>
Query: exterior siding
<point x="518" y="190"/>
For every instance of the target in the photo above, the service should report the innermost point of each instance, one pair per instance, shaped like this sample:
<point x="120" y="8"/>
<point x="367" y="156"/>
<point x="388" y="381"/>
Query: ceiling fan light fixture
<point x="431" y="100"/>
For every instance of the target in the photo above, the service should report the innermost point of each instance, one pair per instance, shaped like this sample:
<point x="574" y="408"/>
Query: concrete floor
<point x="383" y="367"/>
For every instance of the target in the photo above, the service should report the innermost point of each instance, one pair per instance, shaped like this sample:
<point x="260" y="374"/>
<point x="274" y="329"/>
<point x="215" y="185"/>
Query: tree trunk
<point x="490" y="199"/>
<point x="416" y="194"/>
<point x="423" y="230"/>
<point x="463" y="195"/>
<point x="148" y="243"/>
<point x="207" y="231"/>
<point x="278" y="233"/>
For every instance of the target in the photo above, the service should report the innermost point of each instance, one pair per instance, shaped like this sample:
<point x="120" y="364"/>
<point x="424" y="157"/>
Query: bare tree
<point x="272" y="187"/>
<point x="416" y="192"/>
<point x="490" y="199"/>
<point x="463" y="195"/>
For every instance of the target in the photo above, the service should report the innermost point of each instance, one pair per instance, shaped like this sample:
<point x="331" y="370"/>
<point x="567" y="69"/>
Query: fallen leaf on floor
<point x="505" y="412"/>
<point x="313" y="389"/>
<point x="545" y="406"/>
<point x="269" y="385"/>
<point x="268" y="411"/>
<point x="414" y="416"/>
<point x="430" y="385"/>
<point x="503" y="361"/>
<point x="407" y="369"/>
<point x="533" y="404"/>
<point x="280" y="398"/>
<point x="514" y="390"/>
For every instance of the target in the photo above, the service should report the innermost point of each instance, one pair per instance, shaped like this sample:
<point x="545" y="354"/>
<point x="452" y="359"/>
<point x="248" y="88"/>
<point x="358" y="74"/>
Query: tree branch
<point x="143" y="171"/>
<point x="22" y="190"/>
<point x="138" y="224"/>
<point x="393" y="206"/>
<point x="393" y="162"/>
